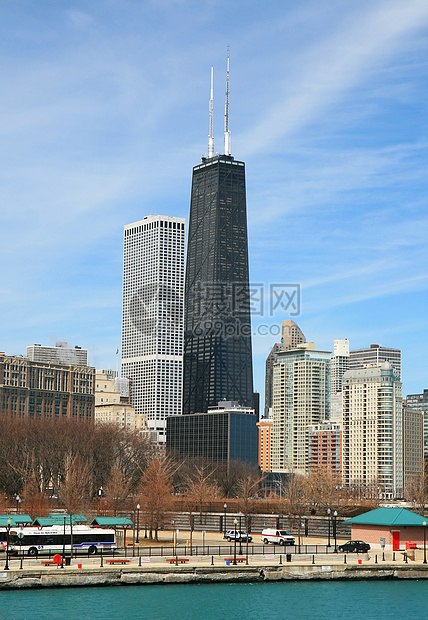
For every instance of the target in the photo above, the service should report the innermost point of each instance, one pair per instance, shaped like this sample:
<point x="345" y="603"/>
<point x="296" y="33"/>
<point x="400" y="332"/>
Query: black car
<point x="354" y="546"/>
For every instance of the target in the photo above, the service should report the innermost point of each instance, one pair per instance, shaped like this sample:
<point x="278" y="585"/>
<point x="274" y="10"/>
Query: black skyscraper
<point x="217" y="347"/>
<point x="217" y="328"/>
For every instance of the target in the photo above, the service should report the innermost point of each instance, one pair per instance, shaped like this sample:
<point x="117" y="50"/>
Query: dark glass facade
<point x="217" y="341"/>
<point x="215" y="436"/>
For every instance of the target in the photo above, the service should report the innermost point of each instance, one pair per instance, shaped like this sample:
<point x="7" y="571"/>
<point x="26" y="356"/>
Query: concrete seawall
<point x="127" y="575"/>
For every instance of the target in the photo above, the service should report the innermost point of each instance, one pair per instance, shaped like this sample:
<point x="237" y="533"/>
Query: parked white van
<point x="278" y="537"/>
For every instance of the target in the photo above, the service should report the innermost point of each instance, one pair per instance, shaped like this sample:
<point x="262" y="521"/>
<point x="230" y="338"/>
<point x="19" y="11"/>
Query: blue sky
<point x="104" y="112"/>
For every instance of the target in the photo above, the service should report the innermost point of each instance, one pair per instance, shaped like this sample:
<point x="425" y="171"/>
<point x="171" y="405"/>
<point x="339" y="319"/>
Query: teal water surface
<point x="314" y="600"/>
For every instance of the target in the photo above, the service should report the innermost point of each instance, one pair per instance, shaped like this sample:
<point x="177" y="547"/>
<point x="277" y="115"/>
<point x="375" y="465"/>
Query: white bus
<point x="54" y="539"/>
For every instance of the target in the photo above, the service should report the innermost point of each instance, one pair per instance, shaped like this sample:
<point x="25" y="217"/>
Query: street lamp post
<point x="329" y="525"/>
<point x="100" y="494"/>
<point x="138" y="524"/>
<point x="240" y="533"/>
<point x="18" y="501"/>
<point x="63" y="543"/>
<point x="424" y="523"/>
<point x="224" y="522"/>
<point x="234" y="551"/>
<point x="7" y="544"/>
<point x="335" y="530"/>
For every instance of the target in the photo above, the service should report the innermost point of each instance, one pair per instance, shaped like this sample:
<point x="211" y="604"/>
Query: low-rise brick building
<point x="397" y="526"/>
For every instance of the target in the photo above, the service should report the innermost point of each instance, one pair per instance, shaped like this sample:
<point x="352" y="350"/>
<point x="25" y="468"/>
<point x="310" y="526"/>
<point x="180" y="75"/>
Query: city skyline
<point x="106" y="111"/>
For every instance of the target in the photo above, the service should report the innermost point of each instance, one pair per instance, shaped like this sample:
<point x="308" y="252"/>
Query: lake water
<point x="313" y="600"/>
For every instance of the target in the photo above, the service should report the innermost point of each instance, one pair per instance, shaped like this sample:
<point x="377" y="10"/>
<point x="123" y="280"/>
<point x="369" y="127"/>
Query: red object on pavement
<point x="57" y="558"/>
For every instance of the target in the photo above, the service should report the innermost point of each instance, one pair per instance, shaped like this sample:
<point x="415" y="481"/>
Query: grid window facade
<point x="218" y="436"/>
<point x="217" y="349"/>
<point x="152" y="317"/>
<point x="44" y="391"/>
<point x="373" y="430"/>
<point x="301" y="397"/>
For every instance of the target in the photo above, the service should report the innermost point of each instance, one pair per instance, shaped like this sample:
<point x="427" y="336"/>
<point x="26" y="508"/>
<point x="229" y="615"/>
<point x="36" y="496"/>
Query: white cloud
<point x="333" y="66"/>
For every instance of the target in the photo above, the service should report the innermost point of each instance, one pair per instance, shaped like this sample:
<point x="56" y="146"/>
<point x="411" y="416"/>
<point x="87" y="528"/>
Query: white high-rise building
<point x="61" y="353"/>
<point x="373" y="430"/>
<point x="152" y="317"/>
<point x="339" y="365"/>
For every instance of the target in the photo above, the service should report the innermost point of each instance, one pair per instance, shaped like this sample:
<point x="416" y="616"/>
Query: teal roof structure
<point x="58" y="519"/>
<point x="112" y="522"/>
<point x="76" y="517"/>
<point x="23" y="519"/>
<point x="4" y="518"/>
<point x="15" y="519"/>
<point x="388" y="516"/>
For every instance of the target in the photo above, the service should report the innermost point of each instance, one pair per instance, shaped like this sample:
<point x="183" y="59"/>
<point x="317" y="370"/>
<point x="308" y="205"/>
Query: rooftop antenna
<point x="227" y="139"/>
<point x="210" y="135"/>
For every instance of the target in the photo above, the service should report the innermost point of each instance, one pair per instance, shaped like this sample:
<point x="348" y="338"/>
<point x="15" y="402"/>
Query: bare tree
<point x="228" y="476"/>
<point x="43" y="448"/>
<point x="200" y="487"/>
<point x="35" y="501"/>
<point x="76" y="487"/>
<point x="248" y="488"/>
<point x="322" y="490"/>
<point x="155" y="496"/>
<point x="417" y="491"/>
<point x="117" y="489"/>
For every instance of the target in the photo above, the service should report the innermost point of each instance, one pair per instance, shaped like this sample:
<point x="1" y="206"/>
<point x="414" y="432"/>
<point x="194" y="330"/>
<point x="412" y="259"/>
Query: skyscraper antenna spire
<point x="227" y="139"/>
<point x="210" y="135"/>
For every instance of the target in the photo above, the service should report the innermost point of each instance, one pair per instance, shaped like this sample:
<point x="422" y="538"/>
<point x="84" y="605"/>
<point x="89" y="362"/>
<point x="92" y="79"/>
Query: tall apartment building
<point x="339" y="365"/>
<point x="217" y="336"/>
<point x="419" y="402"/>
<point x="45" y="391"/>
<point x="372" y="440"/>
<point x="374" y="356"/>
<point x="61" y="353"/>
<point x="413" y="445"/>
<point x="291" y="337"/>
<point x="152" y="317"/>
<point x="301" y="398"/>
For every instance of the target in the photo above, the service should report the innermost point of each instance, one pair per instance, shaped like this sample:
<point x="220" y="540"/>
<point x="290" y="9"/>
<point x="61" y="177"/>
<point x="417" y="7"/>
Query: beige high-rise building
<point x="301" y="387"/>
<point x="373" y="430"/>
<point x="291" y="335"/>
<point x="413" y="444"/>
